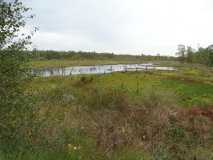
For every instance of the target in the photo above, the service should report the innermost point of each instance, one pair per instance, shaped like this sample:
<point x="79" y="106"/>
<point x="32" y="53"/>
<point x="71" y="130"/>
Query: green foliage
<point x="177" y="133"/>
<point x="80" y="55"/>
<point x="190" y="55"/>
<point x="16" y="106"/>
<point x="50" y="54"/>
<point x="210" y="51"/>
<point x="162" y="155"/>
<point x="83" y="78"/>
<point x="181" y="53"/>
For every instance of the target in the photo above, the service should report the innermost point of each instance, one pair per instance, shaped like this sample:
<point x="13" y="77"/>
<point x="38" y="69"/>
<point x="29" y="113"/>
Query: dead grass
<point x="112" y="123"/>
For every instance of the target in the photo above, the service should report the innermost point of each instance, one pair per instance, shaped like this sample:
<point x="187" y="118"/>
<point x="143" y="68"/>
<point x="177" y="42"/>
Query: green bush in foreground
<point x="16" y="105"/>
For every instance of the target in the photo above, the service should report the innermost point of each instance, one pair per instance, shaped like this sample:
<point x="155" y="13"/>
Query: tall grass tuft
<point x="156" y="97"/>
<point x="108" y="98"/>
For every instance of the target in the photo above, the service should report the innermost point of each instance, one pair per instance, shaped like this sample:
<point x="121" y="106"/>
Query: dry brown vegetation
<point x="113" y="123"/>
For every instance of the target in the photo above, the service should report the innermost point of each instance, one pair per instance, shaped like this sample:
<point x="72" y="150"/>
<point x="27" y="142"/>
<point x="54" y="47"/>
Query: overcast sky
<point x="121" y="26"/>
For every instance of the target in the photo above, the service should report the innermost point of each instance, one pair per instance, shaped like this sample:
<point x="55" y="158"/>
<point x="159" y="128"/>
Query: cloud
<point x="122" y="26"/>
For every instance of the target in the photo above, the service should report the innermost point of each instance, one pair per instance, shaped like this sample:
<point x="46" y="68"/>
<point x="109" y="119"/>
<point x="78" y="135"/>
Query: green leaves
<point x="15" y="103"/>
<point x="181" y="53"/>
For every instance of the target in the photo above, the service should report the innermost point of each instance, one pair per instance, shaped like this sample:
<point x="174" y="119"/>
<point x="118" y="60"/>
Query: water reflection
<point x="97" y="69"/>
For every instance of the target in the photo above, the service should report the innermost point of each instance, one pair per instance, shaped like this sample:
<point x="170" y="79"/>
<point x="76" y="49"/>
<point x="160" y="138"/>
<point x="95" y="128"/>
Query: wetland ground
<point x="123" y="115"/>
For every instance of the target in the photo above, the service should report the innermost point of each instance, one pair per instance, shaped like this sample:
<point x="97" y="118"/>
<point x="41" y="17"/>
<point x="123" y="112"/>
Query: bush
<point x="16" y="105"/>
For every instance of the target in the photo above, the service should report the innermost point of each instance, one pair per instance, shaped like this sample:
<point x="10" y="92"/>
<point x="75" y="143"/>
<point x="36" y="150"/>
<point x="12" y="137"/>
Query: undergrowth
<point x="76" y="121"/>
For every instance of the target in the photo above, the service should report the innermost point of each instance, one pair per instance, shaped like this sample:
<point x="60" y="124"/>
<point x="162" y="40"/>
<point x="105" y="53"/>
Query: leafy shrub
<point x="16" y="105"/>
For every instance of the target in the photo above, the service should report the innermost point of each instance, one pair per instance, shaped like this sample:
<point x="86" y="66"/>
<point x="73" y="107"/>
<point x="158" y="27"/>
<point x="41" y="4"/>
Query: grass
<point x="124" y="115"/>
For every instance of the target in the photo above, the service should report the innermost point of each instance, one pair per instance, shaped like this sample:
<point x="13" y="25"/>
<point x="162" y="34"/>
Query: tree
<point x="15" y="104"/>
<point x="210" y="53"/>
<point x="181" y="53"/>
<point x="202" y="56"/>
<point x="189" y="54"/>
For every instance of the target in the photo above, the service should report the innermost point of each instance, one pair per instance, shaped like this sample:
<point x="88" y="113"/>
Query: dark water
<point x="97" y="69"/>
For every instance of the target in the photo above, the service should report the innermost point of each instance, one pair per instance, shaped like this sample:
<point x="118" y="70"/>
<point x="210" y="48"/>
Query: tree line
<point x="187" y="54"/>
<point x="80" y="55"/>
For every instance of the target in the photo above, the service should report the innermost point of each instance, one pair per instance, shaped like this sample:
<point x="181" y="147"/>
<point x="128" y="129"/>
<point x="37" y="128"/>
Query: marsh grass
<point x="98" y="119"/>
<point x="107" y="98"/>
<point x="107" y="126"/>
<point x="156" y="97"/>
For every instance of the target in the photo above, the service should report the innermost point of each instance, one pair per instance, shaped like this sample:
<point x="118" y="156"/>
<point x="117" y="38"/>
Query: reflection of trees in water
<point x="39" y="71"/>
<point x="59" y="71"/>
<point x="99" y="69"/>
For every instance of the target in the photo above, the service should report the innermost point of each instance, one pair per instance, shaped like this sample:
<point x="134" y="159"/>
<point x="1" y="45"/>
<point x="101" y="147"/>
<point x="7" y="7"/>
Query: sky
<point x="134" y="27"/>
